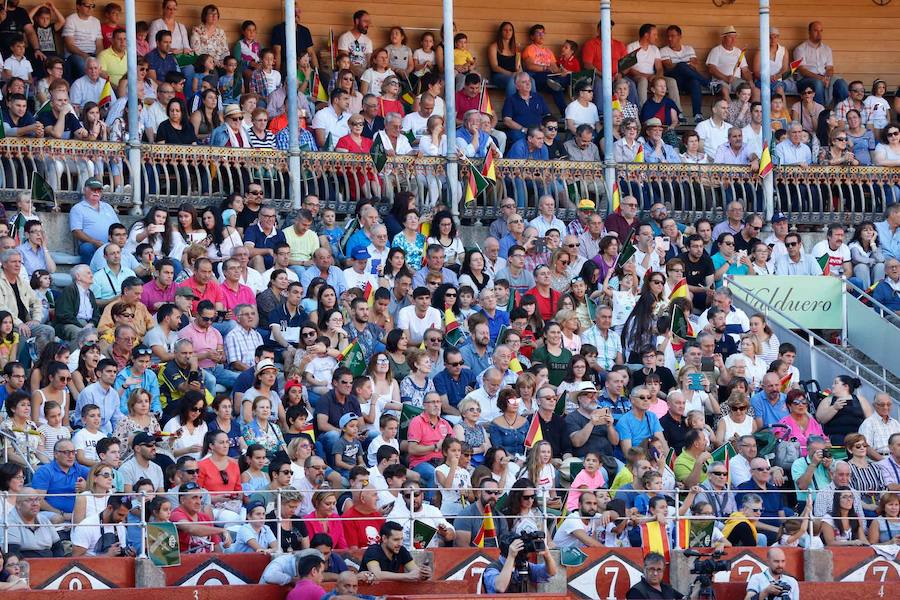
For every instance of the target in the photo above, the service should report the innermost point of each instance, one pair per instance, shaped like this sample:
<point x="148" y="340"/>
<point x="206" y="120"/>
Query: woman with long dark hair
<point x="326" y="300"/>
<point x="521" y="511"/>
<point x="154" y="229"/>
<point x="844" y="410"/>
<point x="553" y="353"/>
<point x="445" y="297"/>
<point x="218" y="473"/>
<point x="841" y="526"/>
<point x="473" y="271"/>
<point x="394" y="266"/>
<point x="505" y="59"/>
<point x="443" y="233"/>
<point x="865" y="254"/>
<point x="187" y="232"/>
<point x="222" y="238"/>
<point x="639" y="331"/>
<point x="188" y="425"/>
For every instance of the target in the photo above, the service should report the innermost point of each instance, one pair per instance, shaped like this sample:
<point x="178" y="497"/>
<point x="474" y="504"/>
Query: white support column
<point x="606" y="59"/>
<point x="765" y="89"/>
<point x="290" y="62"/>
<point x="450" y="101"/>
<point x="136" y="168"/>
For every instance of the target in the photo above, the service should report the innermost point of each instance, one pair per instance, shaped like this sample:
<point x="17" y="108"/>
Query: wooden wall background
<point x="863" y="35"/>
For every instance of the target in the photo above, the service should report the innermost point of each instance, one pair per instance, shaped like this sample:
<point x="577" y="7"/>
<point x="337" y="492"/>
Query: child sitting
<point x="348" y="449"/>
<point x="388" y="425"/>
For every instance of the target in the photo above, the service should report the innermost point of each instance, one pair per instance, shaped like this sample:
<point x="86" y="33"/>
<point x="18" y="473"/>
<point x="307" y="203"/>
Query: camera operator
<point x="508" y="574"/>
<point x="651" y="584"/>
<point x="773" y="582"/>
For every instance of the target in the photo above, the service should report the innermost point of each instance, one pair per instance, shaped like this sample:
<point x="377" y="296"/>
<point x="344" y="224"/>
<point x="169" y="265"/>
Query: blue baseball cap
<point x="360" y="253"/>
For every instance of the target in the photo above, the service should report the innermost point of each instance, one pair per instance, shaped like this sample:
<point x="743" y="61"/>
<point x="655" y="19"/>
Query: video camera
<point x="706" y="565"/>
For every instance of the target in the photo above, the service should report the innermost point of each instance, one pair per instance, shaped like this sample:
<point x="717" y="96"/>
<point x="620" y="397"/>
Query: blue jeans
<point x="559" y="96"/>
<point x="426" y="470"/>
<point x="838" y="91"/>
<point x="86" y="252"/>
<point x="222" y="376"/>
<point x="689" y="79"/>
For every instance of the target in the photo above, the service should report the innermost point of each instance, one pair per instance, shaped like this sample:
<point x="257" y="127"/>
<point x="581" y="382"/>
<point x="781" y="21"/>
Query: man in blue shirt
<point x="60" y="476"/>
<point x="161" y="61"/>
<point x="323" y="267"/>
<point x="524" y="109"/>
<point x="19" y="122"/>
<point x="90" y="220"/>
<point x="496" y="318"/>
<point x="769" y="404"/>
<point x="503" y="577"/>
<point x="531" y="147"/>
<point x="103" y="395"/>
<point x="477" y="352"/>
<point x="454" y="382"/>
<point x="639" y="423"/>
<point x="35" y="253"/>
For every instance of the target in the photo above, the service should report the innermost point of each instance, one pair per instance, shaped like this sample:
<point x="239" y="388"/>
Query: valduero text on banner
<point x="813" y="302"/>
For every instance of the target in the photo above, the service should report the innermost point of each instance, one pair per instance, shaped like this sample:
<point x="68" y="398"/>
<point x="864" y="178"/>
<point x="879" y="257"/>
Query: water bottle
<point x="25" y="572"/>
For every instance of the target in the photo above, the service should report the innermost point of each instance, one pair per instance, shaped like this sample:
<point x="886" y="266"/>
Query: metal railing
<point x="545" y="517"/>
<point x="171" y="175"/>
<point x="874" y="330"/>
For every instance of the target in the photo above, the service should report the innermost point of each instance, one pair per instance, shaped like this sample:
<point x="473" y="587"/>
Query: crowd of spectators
<point x="217" y="358"/>
<point x="65" y="78"/>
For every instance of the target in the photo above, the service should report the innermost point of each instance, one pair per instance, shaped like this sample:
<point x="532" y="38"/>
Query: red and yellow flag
<point x="489" y="170"/>
<point x="487" y="530"/>
<point x="515" y="365"/>
<point x="655" y="539"/>
<point x="369" y="294"/>
<point x="765" y="161"/>
<point x="796" y="65"/>
<point x="680" y="290"/>
<point x="616" y="105"/>
<point x="785" y="383"/>
<point x="737" y="66"/>
<point x="684" y="534"/>
<point x="309" y="430"/>
<point x="616" y="204"/>
<point x="484" y="106"/>
<point x="105" y="94"/>
<point x="639" y="155"/>
<point x="318" y="90"/>
<point x="534" y="434"/>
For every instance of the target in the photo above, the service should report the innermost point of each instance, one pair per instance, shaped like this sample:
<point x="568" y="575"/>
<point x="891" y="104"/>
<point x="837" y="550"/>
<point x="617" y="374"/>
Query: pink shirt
<point x="203" y="341"/>
<point x="795" y="431"/>
<point x="306" y="589"/>
<point x="152" y="295"/>
<point x="422" y="431"/>
<point x="243" y="295"/>
<point x="584" y="478"/>
<point x="213" y="292"/>
<point x="335" y="529"/>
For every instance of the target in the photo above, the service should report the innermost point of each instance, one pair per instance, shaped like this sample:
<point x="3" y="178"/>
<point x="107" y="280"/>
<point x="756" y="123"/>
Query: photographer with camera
<point x="651" y="584"/>
<point x="512" y="572"/>
<point x="773" y="582"/>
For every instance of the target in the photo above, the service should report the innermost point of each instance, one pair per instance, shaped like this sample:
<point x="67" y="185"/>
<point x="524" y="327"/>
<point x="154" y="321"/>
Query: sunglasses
<point x="718" y="473"/>
<point x="790" y="244"/>
<point x="190" y="471"/>
<point x="455" y="364"/>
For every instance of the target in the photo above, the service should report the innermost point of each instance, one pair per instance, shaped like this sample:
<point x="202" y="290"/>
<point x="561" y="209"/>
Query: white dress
<point x="93" y="505"/>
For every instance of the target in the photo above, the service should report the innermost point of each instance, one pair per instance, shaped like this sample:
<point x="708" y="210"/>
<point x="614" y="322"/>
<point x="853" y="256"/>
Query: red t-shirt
<point x="361" y="533"/>
<point x="546" y="306"/>
<point x="191" y="544"/>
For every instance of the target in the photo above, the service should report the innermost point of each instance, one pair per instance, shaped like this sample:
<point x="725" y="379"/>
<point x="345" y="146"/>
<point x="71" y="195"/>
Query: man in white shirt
<point x="378" y="249"/>
<point x="646" y="258"/>
<point x="736" y="152"/>
<point x="776" y="239"/>
<point x="420" y="316"/>
<point x="417" y="122"/>
<point x="356" y="275"/>
<point x="878" y="428"/>
<point x="89" y="87"/>
<point x="753" y="131"/>
<point x="736" y="321"/>
<point x="728" y="67"/>
<point x="82" y="37"/>
<point x="580" y="528"/>
<point x="649" y="65"/>
<point x="680" y="63"/>
<point x="817" y="68"/>
<point x="546" y="219"/>
<point x="795" y="261"/>
<point x="89" y="538"/>
<point x="713" y="132"/>
<point x="421" y="511"/>
<point x="333" y="120"/>
<point x="356" y="43"/>
<point x="838" y="253"/>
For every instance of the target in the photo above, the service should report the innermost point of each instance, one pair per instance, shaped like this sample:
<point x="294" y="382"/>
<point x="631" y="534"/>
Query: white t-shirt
<point x="416" y="123"/>
<point x="407" y="319"/>
<point x="188" y="439"/>
<point x="760" y="581"/>
<point x="422" y="57"/>
<point x="450" y="496"/>
<point x="359" y="280"/>
<point x="273" y="80"/>
<point x="87" y="533"/>
<point x="678" y="56"/>
<point x="836" y="257"/>
<point x="564" y="537"/>
<point x="375" y="79"/>
<point x="372" y="454"/>
<point x="322" y="368"/>
<point x="358" y="48"/>
<point x="646" y="58"/>
<point x="87" y="441"/>
<point x="337" y="126"/>
<point x="579" y="114"/>
<point x="752" y="140"/>
<point x="712" y="136"/>
<point x="84" y="33"/>
<point x="19" y="67"/>
<point x="879" y="109"/>
<point x="726" y="60"/>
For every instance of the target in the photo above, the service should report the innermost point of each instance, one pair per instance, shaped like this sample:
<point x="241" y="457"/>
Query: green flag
<point x="44" y="109"/>
<point x="511" y="304"/>
<point x="422" y="535"/>
<point x="411" y="136"/>
<point x="2" y="129"/>
<point x="823" y="263"/>
<point x="723" y="454"/>
<point x="329" y="143"/>
<point x="407" y="414"/>
<point x="162" y="544"/>
<point x="379" y="156"/>
<point x="681" y="327"/>
<point x="627" y="252"/>
<point x="41" y="190"/>
<point x="701" y="534"/>
<point x="354" y="359"/>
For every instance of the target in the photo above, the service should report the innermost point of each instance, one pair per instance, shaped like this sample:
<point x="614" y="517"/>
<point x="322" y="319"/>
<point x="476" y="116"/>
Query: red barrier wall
<point x="213" y="592"/>
<point x="864" y="564"/>
<point x="217" y="569"/>
<point x="82" y="573"/>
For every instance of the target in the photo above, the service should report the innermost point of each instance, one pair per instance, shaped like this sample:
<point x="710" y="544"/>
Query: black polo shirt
<point x="674" y="431"/>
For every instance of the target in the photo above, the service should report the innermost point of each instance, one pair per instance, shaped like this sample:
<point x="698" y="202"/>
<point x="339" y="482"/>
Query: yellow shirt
<point x="302" y="247"/>
<point x="113" y="65"/>
<point x="461" y="57"/>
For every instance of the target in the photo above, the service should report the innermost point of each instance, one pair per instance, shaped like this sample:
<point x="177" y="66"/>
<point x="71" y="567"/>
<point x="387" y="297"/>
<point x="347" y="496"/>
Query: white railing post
<point x="290" y="62"/>
<point x="142" y="499"/>
<point x="133" y="139"/>
<point x="609" y="170"/>
<point x="452" y="168"/>
<point x="765" y="89"/>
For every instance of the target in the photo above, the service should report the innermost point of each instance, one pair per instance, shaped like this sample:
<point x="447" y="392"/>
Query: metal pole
<point x="844" y="312"/>
<point x="143" y="501"/>
<point x="290" y="63"/>
<point x="4" y="498"/>
<point x="450" y="101"/>
<point x="765" y="90"/>
<point x="136" y="168"/>
<point x="609" y="172"/>
<point x="278" y="514"/>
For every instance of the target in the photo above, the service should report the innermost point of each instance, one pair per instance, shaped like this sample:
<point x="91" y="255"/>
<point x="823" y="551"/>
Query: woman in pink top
<point x="801" y="425"/>
<point x="590" y="477"/>
<point x="324" y="518"/>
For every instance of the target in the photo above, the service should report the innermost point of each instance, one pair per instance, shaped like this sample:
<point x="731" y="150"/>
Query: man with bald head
<point x="88" y="87"/>
<point x="363" y="520"/>
<point x="31" y="533"/>
<point x="362" y="237"/>
<point x="766" y="584"/>
<point x="323" y="266"/>
<point x="492" y="260"/>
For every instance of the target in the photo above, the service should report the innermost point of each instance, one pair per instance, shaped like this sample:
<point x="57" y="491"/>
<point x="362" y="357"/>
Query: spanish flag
<point x="369" y="294"/>
<point x="487" y="531"/>
<point x="515" y="365"/>
<point x="785" y="383"/>
<point x="489" y="171"/>
<point x="737" y="65"/>
<point x="655" y="539"/>
<point x="318" y="90"/>
<point x="453" y="333"/>
<point x="484" y="106"/>
<point x="309" y="430"/>
<point x="425" y="228"/>
<point x="680" y="290"/>
<point x="616" y="105"/>
<point x="639" y="155"/>
<point x="534" y="434"/>
<point x="765" y="161"/>
<point x="616" y="204"/>
<point x="105" y="94"/>
<point x="795" y="65"/>
<point x="683" y="530"/>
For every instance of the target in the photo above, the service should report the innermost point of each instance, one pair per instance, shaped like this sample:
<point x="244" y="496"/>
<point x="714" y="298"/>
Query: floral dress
<point x="270" y="439"/>
<point x="34" y="443"/>
<point x="212" y="42"/>
<point x="414" y="252"/>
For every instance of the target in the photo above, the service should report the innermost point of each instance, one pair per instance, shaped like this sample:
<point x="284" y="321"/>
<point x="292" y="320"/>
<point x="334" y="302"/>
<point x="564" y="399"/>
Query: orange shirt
<point x="541" y="55"/>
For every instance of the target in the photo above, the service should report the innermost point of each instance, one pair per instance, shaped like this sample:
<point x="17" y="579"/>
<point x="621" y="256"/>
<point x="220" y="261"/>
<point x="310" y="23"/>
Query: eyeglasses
<point x="195" y="409"/>
<point x="434" y="339"/>
<point x="808" y="93"/>
<point x="254" y="193"/>
<point x="529" y="497"/>
<point x="205" y="319"/>
<point x="235" y="118"/>
<point x="551" y="128"/>
<point x="861" y="446"/>
<point x="657" y="282"/>
<point x="106" y="474"/>
<point x="858" y="90"/>
<point x="514" y="221"/>
<point x="755" y="510"/>
<point x="449" y="295"/>
<point x="840" y="139"/>
<point x="356" y="123"/>
<point x="345" y="382"/>
<point x="893" y="133"/>
<point x="739" y="408"/>
<point x="762" y="469"/>
<point x="309" y="334"/>
<point x="718" y="473"/>
<point x="791" y="244"/>
<point x="563" y="262"/>
<point x="572" y="245"/>
<point x="128" y="315"/>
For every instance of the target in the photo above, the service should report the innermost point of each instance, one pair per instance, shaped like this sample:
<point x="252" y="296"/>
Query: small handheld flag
<point x="616" y="105"/>
<point x="616" y="204"/>
<point x="680" y="290"/>
<point x="627" y="252"/>
<point x="453" y="333"/>
<point x="41" y="190"/>
<point x="655" y="539"/>
<point x="484" y="105"/>
<point x="534" y="434"/>
<point x="353" y="358"/>
<point x="639" y="155"/>
<point x="795" y="65"/>
<point x="681" y="326"/>
<point x="765" y="161"/>
<point x="488" y="170"/>
<point x="487" y="531"/>
<point x="825" y="263"/>
<point x="785" y="383"/>
<point x="737" y="66"/>
<point x="369" y="294"/>
<point x="378" y="154"/>
<point x="318" y="90"/>
<point x="723" y="454"/>
<point x="476" y="184"/>
<point x="105" y="95"/>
